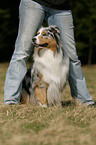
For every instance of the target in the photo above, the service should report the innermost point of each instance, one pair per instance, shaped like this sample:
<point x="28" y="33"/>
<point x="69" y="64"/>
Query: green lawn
<point x="72" y="124"/>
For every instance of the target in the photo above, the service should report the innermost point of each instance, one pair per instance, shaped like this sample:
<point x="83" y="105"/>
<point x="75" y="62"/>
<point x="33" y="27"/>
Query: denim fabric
<point x="31" y="16"/>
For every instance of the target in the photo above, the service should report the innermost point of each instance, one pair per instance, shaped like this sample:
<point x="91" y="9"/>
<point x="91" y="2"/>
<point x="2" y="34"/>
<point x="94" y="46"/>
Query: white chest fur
<point x="54" y="68"/>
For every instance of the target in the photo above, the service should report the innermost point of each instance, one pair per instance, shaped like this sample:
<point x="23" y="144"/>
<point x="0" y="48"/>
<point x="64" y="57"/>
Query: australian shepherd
<point x="47" y="76"/>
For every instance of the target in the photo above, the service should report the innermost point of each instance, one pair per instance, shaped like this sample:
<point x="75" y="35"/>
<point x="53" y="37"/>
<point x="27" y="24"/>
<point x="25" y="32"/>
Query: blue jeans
<point x="32" y="15"/>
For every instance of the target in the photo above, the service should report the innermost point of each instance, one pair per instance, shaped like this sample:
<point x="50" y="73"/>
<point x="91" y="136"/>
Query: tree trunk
<point x="90" y="51"/>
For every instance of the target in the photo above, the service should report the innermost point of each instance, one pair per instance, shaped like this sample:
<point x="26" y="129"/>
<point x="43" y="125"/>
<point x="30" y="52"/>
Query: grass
<point x="72" y="124"/>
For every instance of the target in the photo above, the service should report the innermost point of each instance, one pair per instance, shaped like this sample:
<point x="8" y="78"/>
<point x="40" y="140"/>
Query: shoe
<point x="92" y="105"/>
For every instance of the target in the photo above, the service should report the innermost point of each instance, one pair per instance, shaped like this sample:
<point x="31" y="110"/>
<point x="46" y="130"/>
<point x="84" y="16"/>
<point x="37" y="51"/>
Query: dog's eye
<point x="44" y="34"/>
<point x="38" y="33"/>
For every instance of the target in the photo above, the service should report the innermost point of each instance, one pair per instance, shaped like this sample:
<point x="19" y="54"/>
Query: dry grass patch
<point x="72" y="124"/>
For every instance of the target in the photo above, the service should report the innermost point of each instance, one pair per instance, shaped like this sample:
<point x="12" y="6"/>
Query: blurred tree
<point x="8" y="28"/>
<point x="4" y="18"/>
<point x="84" y="13"/>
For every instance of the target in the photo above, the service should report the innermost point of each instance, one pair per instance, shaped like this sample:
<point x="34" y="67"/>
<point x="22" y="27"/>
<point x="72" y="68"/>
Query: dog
<point x="46" y="78"/>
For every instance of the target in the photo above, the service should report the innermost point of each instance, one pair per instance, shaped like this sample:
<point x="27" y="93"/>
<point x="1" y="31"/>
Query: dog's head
<point x="47" y="38"/>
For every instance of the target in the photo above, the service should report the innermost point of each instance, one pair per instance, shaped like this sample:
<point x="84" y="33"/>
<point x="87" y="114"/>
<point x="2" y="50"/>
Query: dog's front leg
<point x="41" y="96"/>
<point x="32" y="97"/>
<point x="53" y="95"/>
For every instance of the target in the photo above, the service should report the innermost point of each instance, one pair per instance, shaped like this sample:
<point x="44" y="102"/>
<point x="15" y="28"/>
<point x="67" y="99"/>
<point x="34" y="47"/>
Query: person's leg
<point x="64" y="21"/>
<point x="31" y="17"/>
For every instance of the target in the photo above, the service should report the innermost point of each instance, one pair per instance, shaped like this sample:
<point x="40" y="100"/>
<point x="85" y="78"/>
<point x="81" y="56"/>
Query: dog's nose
<point x="34" y="39"/>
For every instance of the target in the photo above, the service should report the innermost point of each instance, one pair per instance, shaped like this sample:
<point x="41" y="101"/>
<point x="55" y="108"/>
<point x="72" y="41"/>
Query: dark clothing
<point x="56" y="4"/>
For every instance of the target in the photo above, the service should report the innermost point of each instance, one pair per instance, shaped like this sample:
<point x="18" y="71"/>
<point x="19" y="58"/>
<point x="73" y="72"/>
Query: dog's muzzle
<point x="41" y="45"/>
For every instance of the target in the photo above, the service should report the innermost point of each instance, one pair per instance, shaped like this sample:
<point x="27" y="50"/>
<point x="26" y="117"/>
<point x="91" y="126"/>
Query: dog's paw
<point x="40" y="104"/>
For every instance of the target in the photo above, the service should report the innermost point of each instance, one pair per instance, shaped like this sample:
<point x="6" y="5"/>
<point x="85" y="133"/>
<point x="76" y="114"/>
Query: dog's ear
<point x="54" y="29"/>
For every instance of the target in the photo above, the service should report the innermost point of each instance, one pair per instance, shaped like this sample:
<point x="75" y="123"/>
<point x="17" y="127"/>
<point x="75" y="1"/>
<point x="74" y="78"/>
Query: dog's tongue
<point x="35" y="44"/>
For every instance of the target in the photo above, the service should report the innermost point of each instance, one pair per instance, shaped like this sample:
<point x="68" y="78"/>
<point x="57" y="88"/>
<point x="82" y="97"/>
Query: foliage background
<point x="84" y="14"/>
